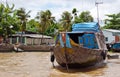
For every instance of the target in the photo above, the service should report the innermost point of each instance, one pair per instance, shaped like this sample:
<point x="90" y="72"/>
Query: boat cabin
<point x="87" y="35"/>
<point x="86" y="40"/>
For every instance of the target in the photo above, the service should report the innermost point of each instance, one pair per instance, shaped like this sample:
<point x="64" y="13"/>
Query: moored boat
<point x="115" y="47"/>
<point x="84" y="46"/>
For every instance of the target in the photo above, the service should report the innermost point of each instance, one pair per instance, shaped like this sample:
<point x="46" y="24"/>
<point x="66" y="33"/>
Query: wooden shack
<point x="31" y="39"/>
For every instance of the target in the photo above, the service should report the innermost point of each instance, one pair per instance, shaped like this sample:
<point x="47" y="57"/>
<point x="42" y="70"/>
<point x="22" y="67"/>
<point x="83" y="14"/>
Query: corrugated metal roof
<point x="33" y="35"/>
<point x="86" y="27"/>
<point x="112" y="30"/>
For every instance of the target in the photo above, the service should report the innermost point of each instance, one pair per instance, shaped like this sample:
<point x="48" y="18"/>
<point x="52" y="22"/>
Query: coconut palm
<point x="23" y="17"/>
<point x="2" y="7"/>
<point x="45" y="19"/>
<point x="66" y="20"/>
<point x="6" y="20"/>
<point x="113" y="21"/>
<point x="86" y="17"/>
<point x="76" y="18"/>
<point x="32" y="25"/>
<point x="74" y="11"/>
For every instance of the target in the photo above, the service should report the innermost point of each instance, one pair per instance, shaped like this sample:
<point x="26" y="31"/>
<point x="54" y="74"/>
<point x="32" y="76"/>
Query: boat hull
<point x="77" y="56"/>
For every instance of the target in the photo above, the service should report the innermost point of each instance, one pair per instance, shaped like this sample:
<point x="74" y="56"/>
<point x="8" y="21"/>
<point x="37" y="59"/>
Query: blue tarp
<point x="86" y="27"/>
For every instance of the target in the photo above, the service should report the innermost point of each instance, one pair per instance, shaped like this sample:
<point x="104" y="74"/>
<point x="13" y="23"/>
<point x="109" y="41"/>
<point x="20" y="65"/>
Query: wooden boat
<point x="84" y="46"/>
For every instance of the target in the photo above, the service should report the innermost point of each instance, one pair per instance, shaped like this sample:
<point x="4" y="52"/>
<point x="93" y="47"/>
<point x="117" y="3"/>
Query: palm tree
<point x="32" y="25"/>
<point x="66" y="20"/>
<point x="2" y="7"/>
<point x="6" y="17"/>
<point x="76" y="18"/>
<point x="113" y="21"/>
<point x="86" y="17"/>
<point x="23" y="17"/>
<point x="45" y="19"/>
<point x="74" y="11"/>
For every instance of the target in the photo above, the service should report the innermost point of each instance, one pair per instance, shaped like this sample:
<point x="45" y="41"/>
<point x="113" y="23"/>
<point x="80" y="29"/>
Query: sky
<point x="57" y="7"/>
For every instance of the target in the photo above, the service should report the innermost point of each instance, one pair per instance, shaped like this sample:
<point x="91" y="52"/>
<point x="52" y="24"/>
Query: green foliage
<point x="32" y="26"/>
<point x="45" y="18"/>
<point x="86" y="17"/>
<point x="46" y="23"/>
<point x="66" y="20"/>
<point x="113" y="22"/>
<point x="83" y="17"/>
<point x="74" y="11"/>
<point x="23" y="17"/>
<point x="7" y="19"/>
<point x="51" y="30"/>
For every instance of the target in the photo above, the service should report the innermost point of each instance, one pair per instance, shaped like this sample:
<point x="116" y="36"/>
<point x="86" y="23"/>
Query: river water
<point x="37" y="64"/>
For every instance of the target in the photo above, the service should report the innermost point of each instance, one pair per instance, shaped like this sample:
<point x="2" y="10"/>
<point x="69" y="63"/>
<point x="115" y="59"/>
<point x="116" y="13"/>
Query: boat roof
<point x="32" y="36"/>
<point x="86" y="27"/>
<point x="113" y="31"/>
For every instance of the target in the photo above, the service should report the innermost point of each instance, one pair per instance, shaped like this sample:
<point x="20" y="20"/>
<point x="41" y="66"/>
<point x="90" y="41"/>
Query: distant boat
<point x="115" y="47"/>
<point x="16" y="48"/>
<point x="84" y="46"/>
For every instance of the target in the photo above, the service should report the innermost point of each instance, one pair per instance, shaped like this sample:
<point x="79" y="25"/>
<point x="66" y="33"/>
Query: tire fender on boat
<point x="104" y="54"/>
<point x="52" y="58"/>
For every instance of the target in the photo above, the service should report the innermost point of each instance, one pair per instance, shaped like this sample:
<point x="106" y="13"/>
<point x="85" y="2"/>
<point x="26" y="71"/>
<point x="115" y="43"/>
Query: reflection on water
<point x="110" y="68"/>
<point x="37" y="64"/>
<point x="91" y="71"/>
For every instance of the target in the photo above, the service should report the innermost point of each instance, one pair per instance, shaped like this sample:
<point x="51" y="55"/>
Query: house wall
<point x="32" y="41"/>
<point x="35" y="41"/>
<point x="1" y="39"/>
<point x="108" y="36"/>
<point x="117" y="38"/>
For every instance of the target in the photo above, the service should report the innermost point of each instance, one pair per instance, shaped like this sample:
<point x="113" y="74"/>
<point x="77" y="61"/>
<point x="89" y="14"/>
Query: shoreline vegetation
<point x="17" y="20"/>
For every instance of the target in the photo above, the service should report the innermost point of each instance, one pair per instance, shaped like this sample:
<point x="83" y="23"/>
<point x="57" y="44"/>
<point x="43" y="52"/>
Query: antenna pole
<point x="97" y="3"/>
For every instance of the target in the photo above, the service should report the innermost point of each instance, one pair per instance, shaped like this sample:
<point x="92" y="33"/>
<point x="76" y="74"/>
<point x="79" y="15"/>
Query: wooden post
<point x="32" y="41"/>
<point x="11" y="40"/>
<point x="25" y="41"/>
<point x="17" y="39"/>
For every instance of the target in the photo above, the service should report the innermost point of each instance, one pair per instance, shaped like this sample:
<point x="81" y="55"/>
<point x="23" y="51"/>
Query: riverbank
<point x="11" y="47"/>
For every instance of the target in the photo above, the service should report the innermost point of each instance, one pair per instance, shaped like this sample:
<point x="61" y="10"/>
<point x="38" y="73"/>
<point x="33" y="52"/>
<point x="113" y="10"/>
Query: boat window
<point x="74" y="36"/>
<point x="106" y="38"/>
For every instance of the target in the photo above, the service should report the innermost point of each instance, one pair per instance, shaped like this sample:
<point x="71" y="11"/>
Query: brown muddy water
<point x="37" y="64"/>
